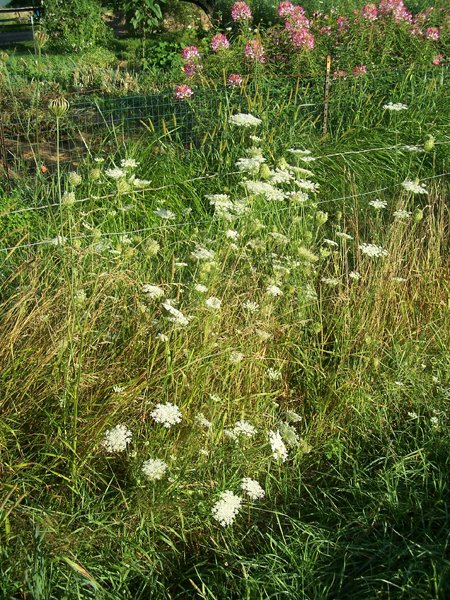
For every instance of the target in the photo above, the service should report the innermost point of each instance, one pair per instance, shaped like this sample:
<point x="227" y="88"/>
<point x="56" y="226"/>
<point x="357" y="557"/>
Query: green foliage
<point x="144" y="14"/>
<point x="74" y="25"/>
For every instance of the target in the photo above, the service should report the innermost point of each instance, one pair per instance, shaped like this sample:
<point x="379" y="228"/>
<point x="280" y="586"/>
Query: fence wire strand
<point x="201" y="221"/>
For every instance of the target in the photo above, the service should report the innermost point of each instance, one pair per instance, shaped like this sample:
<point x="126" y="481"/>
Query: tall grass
<point x="360" y="507"/>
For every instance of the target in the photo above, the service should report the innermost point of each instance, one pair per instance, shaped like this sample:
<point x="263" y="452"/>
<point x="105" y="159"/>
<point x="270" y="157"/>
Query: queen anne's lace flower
<point x="279" y="449"/>
<point x="395" y="107"/>
<point x="414" y="187"/>
<point x="378" y="204"/>
<point x="245" y="120"/>
<point x="401" y="214"/>
<point x="226" y="509"/>
<point x="252" y="488"/>
<point x="202" y="254"/>
<point x="274" y="290"/>
<point x="115" y="173"/>
<point x="372" y="250"/>
<point x="154" y="468"/>
<point x="152" y="291"/>
<point x="167" y="414"/>
<point x="117" y="439"/>
<point x="213" y="303"/>
<point x="175" y="315"/>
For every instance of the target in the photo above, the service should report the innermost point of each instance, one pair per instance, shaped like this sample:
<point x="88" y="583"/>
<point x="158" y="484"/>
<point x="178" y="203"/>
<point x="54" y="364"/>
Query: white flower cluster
<point x="395" y="107"/>
<point x="202" y="254"/>
<point x="274" y="290"/>
<point x="167" y="414"/>
<point x="128" y="163"/>
<point x="152" y="291"/>
<point x="305" y="184"/>
<point x="279" y="449"/>
<point x="241" y="428"/>
<point x="250" y="164"/>
<point x="154" y="468"/>
<point x="175" y="315"/>
<point x="213" y="303"/>
<point x="414" y="187"/>
<point x="245" y="120"/>
<point x="401" y="214"/>
<point x="378" y="204"/>
<point x="117" y="439"/>
<point x="226" y="509"/>
<point x="273" y="374"/>
<point x="252" y="488"/>
<point x="372" y="250"/>
<point x="262" y="188"/>
<point x="280" y="176"/>
<point x="115" y="173"/>
<point x="165" y="213"/>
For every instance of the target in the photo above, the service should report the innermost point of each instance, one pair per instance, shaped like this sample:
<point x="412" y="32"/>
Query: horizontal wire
<point x="153" y="189"/>
<point x="198" y="222"/>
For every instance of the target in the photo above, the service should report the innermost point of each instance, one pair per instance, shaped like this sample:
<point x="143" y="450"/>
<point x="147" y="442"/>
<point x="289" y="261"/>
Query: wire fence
<point x="99" y="122"/>
<point x="153" y="228"/>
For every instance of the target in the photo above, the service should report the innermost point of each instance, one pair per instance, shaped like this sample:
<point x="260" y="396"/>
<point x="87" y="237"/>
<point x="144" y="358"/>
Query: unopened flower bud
<point x="264" y="172"/>
<point x="429" y="144"/>
<point x="59" y="106"/>
<point x="418" y="215"/>
<point x="321" y="217"/>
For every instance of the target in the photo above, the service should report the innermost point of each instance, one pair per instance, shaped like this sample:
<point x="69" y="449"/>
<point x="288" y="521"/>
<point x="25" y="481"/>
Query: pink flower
<point x="396" y="8"/>
<point x="183" y="91"/>
<point x="302" y="39"/>
<point x="370" y="12"/>
<point x="433" y="33"/>
<point x="326" y="30"/>
<point x="437" y="59"/>
<point x="359" y="71"/>
<point x="240" y="12"/>
<point x="190" y="53"/>
<point x="254" y="51"/>
<point x="342" y="23"/>
<point x="234" y="80"/>
<point x="296" y="19"/>
<point x="285" y="9"/>
<point x="219" y="42"/>
<point x="190" y="69"/>
<point x="341" y="74"/>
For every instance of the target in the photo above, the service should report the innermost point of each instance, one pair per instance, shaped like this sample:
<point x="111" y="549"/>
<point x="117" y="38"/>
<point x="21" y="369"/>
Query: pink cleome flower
<point x="433" y="33"/>
<point x="437" y="59"/>
<point x="182" y="92"/>
<point x="285" y="9"/>
<point x="234" y="80"/>
<point x="302" y="39"/>
<point x="340" y="74"/>
<point x="190" y="69"/>
<point x="359" y="71"/>
<point x="342" y="23"/>
<point x="370" y="12"/>
<point x="254" y="51"/>
<point x="219" y="42"/>
<point x="240" y="11"/>
<point x="190" y="53"/>
<point x="296" y="19"/>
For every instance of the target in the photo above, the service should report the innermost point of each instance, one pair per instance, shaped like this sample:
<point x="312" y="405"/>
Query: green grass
<point x="360" y="507"/>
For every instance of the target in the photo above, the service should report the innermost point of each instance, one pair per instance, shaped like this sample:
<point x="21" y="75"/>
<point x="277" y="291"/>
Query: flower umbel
<point x="117" y="439"/>
<point x="167" y="414"/>
<point x="226" y="509"/>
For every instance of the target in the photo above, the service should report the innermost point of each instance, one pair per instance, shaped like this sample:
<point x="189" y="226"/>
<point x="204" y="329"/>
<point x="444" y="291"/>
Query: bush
<point x="75" y="25"/>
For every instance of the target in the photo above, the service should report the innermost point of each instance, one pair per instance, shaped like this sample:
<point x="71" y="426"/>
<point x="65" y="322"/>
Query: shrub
<point x="75" y="25"/>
